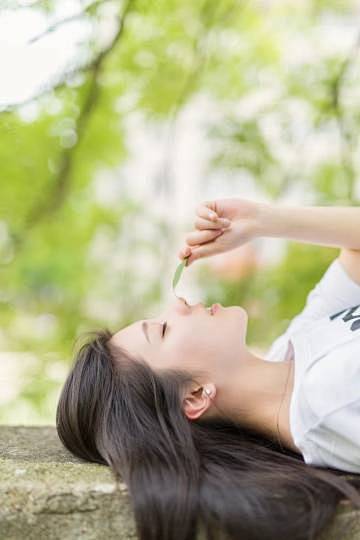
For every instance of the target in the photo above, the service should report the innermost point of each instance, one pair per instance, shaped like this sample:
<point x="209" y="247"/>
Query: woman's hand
<point x="221" y="225"/>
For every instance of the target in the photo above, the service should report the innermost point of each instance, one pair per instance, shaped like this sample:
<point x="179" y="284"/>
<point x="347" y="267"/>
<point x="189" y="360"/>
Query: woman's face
<point x="193" y="340"/>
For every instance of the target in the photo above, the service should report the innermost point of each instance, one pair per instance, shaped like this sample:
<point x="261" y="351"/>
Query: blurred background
<point x="117" y="118"/>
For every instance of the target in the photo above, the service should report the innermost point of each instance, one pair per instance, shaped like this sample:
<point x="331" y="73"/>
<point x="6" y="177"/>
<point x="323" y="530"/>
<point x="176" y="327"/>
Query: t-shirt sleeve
<point x="335" y="291"/>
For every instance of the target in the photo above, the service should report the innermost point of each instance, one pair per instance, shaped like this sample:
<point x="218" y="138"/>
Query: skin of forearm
<point x="333" y="226"/>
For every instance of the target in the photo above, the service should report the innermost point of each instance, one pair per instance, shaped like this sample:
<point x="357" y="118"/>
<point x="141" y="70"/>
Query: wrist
<point x="264" y="219"/>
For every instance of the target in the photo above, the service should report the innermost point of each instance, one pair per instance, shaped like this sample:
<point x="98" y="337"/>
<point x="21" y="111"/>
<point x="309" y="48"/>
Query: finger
<point x="203" y="224"/>
<point x="187" y="250"/>
<point x="184" y="252"/>
<point x="201" y="237"/>
<point x="207" y="211"/>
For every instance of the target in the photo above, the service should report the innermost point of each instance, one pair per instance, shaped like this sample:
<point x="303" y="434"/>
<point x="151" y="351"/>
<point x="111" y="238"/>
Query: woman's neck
<point x="259" y="395"/>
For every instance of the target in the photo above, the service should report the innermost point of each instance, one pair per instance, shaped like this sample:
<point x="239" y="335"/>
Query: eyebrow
<point x="145" y="327"/>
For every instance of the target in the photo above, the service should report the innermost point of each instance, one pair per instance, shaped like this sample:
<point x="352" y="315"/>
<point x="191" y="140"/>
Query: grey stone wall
<point x="47" y="494"/>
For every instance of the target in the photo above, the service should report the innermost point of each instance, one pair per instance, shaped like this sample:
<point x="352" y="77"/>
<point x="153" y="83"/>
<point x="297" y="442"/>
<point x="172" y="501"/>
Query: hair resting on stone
<point x="185" y="476"/>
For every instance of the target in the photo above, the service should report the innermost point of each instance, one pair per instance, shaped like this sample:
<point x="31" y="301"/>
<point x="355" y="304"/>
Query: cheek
<point x="183" y="344"/>
<point x="185" y="350"/>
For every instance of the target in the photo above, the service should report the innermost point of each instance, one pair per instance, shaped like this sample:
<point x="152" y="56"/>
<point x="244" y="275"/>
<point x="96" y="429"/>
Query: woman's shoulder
<point x="333" y="380"/>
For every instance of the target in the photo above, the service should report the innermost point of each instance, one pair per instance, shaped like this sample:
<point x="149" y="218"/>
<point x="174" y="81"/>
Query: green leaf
<point x="178" y="271"/>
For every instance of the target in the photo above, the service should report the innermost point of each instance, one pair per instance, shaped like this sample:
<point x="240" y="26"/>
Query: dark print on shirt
<point x="350" y="315"/>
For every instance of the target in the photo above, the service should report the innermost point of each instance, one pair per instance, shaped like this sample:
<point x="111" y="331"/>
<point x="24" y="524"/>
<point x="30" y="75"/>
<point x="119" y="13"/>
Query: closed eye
<point x="164" y="328"/>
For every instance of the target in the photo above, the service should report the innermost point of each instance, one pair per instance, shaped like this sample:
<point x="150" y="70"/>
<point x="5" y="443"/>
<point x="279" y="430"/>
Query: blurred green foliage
<point x="68" y="261"/>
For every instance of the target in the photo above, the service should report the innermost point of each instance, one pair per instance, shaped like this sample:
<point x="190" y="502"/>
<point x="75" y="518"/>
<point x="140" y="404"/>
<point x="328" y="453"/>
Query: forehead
<point x="133" y="340"/>
<point x="128" y="332"/>
<point x="135" y="333"/>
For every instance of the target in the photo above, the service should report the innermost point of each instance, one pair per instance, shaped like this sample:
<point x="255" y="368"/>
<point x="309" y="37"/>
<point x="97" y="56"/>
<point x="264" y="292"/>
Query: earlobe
<point x="194" y="410"/>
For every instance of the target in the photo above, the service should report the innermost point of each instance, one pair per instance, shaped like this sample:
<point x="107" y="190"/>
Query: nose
<point x="183" y="301"/>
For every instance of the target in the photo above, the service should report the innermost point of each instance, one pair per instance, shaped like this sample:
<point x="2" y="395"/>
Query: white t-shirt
<point x="325" y="403"/>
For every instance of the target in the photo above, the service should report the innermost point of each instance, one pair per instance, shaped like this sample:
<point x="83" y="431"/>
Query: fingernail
<point x="226" y="221"/>
<point x="212" y="215"/>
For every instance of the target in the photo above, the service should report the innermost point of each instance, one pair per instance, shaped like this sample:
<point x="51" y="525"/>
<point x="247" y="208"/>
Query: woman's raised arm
<point x="237" y="221"/>
<point x="333" y="226"/>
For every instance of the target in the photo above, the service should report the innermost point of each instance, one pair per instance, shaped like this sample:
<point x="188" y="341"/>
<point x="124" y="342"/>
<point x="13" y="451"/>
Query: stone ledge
<point x="47" y="494"/>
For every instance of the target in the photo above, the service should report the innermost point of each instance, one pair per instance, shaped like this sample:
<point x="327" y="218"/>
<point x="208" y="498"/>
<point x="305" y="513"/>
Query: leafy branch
<point x="62" y="182"/>
<point x="56" y="25"/>
<point x="58" y="82"/>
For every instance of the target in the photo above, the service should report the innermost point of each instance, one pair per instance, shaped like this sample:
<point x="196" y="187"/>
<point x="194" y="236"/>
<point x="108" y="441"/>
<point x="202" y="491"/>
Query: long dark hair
<point x="182" y="475"/>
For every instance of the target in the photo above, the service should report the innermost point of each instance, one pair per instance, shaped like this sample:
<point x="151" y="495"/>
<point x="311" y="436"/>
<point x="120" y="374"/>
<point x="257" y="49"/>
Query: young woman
<point x="206" y="434"/>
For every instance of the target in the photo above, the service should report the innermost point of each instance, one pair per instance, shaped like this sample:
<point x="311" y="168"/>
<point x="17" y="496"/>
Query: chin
<point x="240" y="308"/>
<point x="243" y="311"/>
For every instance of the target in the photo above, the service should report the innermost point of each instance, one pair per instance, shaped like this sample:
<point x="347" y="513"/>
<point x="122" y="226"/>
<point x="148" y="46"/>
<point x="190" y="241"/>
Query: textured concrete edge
<point x="42" y="486"/>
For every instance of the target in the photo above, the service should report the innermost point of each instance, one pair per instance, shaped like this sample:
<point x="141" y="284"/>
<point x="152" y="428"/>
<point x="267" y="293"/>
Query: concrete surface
<point x="47" y="494"/>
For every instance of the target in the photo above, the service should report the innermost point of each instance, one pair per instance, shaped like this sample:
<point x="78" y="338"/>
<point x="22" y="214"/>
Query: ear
<point x="198" y="401"/>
